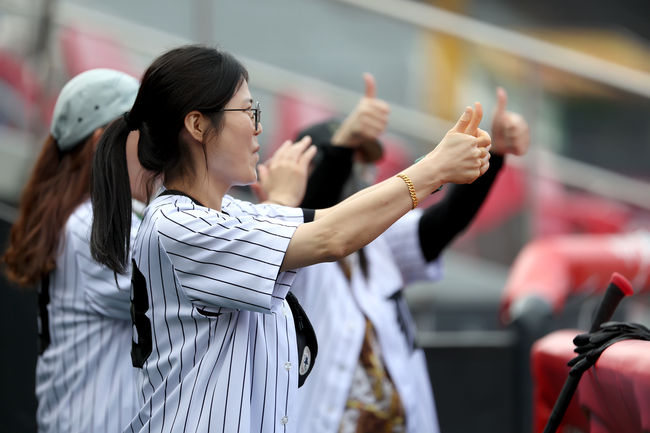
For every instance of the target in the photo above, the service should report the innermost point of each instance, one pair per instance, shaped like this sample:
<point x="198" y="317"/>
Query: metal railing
<point x="512" y="42"/>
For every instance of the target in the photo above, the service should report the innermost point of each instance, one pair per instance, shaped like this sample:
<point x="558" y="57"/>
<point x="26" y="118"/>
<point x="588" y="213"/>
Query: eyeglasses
<point x="255" y="113"/>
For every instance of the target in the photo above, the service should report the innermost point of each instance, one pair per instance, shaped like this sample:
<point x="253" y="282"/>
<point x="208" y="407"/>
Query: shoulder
<point x="172" y="209"/>
<point x="80" y="220"/>
<point x="178" y="217"/>
<point x="235" y="207"/>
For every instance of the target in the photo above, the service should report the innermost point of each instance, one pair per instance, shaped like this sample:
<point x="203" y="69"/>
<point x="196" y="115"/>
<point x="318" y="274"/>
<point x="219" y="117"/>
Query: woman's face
<point x="233" y="154"/>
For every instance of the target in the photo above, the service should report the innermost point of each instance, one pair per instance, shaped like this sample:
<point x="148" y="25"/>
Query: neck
<point x="206" y="192"/>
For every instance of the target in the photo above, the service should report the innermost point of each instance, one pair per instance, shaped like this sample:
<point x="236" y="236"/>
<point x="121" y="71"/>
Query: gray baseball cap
<point x="88" y="101"/>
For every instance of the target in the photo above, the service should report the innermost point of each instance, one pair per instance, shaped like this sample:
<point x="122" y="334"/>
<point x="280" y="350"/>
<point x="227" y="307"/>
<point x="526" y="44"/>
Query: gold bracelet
<point x="409" y="184"/>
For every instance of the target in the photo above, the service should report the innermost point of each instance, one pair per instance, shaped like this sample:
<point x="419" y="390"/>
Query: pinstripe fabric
<point x="84" y="379"/>
<point x="336" y="308"/>
<point x="224" y="345"/>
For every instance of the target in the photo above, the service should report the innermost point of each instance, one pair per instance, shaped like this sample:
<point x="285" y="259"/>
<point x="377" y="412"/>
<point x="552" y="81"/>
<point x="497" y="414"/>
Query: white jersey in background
<point x="337" y="309"/>
<point x="84" y="378"/>
<point x="215" y="336"/>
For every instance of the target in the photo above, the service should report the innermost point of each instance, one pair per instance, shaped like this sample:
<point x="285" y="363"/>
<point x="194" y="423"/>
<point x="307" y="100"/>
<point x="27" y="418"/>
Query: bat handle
<point x="619" y="287"/>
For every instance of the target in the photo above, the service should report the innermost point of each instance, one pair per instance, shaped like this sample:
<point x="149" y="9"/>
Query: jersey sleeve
<point x="227" y="261"/>
<point x="404" y="243"/>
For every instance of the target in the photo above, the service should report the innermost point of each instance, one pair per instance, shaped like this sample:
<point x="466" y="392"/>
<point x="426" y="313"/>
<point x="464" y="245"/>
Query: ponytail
<point x="110" y="193"/>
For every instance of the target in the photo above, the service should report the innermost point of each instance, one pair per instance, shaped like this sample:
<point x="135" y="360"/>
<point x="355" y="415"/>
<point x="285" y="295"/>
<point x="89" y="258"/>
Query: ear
<point x="196" y="125"/>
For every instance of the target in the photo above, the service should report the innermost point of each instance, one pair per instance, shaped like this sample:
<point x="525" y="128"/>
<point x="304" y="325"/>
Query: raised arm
<point x="510" y="134"/>
<point x="460" y="157"/>
<point x="339" y="142"/>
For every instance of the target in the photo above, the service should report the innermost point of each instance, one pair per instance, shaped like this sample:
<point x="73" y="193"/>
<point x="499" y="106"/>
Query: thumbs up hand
<point x="510" y="133"/>
<point x="367" y="121"/>
<point x="463" y="153"/>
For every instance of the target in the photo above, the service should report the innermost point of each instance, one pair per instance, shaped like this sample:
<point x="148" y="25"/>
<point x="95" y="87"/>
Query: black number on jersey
<point x="141" y="343"/>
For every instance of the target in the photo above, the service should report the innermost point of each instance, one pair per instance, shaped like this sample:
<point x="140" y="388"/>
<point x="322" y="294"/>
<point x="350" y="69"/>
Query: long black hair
<point x="182" y="80"/>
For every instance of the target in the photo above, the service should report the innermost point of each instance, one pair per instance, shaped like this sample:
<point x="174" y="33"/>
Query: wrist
<point x="426" y="179"/>
<point x="342" y="138"/>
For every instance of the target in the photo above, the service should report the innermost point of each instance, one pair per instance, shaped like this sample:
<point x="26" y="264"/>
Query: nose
<point x="258" y="131"/>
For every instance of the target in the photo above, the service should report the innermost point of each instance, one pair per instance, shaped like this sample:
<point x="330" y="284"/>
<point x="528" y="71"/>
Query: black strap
<point x="43" y="315"/>
<point x="305" y="338"/>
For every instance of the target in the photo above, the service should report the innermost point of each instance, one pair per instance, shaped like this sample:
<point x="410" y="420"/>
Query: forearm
<point x="349" y="225"/>
<point x="320" y="213"/>
<point x="344" y="228"/>
<point x="442" y="222"/>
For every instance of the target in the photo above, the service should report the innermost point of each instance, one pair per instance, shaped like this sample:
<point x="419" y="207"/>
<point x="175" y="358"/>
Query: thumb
<point x="502" y="101"/>
<point x="477" y="115"/>
<point x="463" y="121"/>
<point x="371" y="85"/>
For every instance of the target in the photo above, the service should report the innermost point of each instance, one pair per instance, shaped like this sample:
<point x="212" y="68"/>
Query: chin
<point x="248" y="180"/>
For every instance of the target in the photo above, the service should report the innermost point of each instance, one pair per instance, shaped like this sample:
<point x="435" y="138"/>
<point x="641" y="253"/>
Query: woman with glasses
<point x="220" y="342"/>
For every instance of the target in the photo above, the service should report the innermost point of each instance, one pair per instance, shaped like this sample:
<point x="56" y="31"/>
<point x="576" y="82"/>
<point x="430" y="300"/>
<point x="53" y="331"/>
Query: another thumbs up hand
<point x="367" y="121"/>
<point x="510" y="132"/>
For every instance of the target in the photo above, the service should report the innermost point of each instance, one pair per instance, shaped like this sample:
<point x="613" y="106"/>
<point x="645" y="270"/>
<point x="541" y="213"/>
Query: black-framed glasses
<point x="255" y="113"/>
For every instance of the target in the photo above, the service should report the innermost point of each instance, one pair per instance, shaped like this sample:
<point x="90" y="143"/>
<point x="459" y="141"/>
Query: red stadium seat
<point x="559" y="267"/>
<point x="612" y="397"/>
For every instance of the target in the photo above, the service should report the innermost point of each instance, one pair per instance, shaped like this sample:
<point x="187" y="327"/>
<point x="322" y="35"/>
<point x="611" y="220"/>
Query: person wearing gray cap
<point x="84" y="378"/>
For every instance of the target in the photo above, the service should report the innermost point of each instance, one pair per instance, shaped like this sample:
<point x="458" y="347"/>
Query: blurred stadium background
<point x="578" y="71"/>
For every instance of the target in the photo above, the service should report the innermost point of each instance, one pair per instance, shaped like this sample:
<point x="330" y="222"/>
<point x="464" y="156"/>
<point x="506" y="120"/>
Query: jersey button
<point x="287" y="365"/>
<point x="284" y="420"/>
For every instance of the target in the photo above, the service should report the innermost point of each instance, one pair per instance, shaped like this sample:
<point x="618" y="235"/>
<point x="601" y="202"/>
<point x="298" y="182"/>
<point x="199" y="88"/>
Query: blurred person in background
<point x="84" y="378"/>
<point x="371" y="376"/>
<point x="216" y="341"/>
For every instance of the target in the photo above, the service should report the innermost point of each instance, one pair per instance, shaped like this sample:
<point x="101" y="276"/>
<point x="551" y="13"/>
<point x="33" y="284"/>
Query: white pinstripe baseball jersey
<point x="215" y="337"/>
<point x="337" y="308"/>
<point x="84" y="378"/>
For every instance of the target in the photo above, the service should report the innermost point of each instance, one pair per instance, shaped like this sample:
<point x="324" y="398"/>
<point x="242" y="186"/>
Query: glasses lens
<point x="258" y="114"/>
